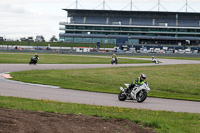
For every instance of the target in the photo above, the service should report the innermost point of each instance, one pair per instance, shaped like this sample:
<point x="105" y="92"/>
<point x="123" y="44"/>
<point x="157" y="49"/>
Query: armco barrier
<point x="137" y="54"/>
<point x="105" y="53"/>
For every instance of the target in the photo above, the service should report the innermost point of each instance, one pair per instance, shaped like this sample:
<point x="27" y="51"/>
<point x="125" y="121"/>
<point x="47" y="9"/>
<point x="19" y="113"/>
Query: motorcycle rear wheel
<point x="122" y="96"/>
<point x="141" y="96"/>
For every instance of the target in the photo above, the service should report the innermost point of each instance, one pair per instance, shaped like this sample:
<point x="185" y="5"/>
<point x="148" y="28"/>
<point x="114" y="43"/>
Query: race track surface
<point x="26" y="90"/>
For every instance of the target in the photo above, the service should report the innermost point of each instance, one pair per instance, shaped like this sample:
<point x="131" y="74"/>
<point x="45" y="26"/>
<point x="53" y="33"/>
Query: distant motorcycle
<point x="155" y="60"/>
<point x="138" y="93"/>
<point x="33" y="60"/>
<point x="114" y="60"/>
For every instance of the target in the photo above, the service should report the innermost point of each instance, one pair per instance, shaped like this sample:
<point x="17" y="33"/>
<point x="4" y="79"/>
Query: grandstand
<point x="131" y="27"/>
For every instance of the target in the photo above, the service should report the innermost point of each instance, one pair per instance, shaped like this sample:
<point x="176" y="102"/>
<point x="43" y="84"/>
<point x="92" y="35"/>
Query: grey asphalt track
<point x="26" y="90"/>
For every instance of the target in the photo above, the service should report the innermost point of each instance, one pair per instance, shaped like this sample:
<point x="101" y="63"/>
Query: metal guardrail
<point x="103" y="53"/>
<point x="136" y="54"/>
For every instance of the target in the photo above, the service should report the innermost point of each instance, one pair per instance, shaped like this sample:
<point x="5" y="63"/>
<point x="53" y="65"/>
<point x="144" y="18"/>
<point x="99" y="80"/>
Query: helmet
<point x="143" y="76"/>
<point x="36" y="54"/>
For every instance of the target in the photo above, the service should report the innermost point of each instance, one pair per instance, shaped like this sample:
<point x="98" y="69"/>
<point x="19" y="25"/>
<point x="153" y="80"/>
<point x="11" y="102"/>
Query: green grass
<point x="173" y="81"/>
<point x="56" y="44"/>
<point x="161" y="121"/>
<point x="73" y="59"/>
<point x="62" y="59"/>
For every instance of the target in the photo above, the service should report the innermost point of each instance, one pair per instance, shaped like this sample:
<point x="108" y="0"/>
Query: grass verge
<point x="161" y="121"/>
<point x="54" y="44"/>
<point x="62" y="59"/>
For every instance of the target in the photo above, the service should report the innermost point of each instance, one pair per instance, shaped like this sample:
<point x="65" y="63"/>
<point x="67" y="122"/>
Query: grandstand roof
<point x="72" y="12"/>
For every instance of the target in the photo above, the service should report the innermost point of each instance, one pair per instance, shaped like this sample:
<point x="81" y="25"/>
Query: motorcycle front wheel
<point x="141" y="96"/>
<point x="122" y="96"/>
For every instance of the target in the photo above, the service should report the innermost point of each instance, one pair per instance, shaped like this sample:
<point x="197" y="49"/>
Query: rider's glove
<point x="138" y="85"/>
<point x="131" y="86"/>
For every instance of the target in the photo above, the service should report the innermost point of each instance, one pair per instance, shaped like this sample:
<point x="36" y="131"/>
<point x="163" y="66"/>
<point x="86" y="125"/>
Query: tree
<point x="53" y="39"/>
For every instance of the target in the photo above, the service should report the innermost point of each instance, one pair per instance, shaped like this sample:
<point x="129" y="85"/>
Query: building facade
<point x="1" y="38"/>
<point x="131" y="27"/>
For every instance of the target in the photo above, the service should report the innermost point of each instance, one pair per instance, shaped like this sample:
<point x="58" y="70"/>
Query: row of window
<point x="134" y="34"/>
<point x="95" y="40"/>
<point x="113" y="41"/>
<point x="132" y="29"/>
<point x="88" y="40"/>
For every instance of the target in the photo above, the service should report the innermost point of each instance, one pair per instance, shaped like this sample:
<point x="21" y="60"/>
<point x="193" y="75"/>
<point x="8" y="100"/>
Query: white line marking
<point x="19" y="82"/>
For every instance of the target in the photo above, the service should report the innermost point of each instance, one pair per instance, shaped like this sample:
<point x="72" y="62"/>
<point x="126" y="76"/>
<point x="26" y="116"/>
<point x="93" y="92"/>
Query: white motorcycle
<point x="114" y="60"/>
<point x="155" y="61"/>
<point x="138" y="93"/>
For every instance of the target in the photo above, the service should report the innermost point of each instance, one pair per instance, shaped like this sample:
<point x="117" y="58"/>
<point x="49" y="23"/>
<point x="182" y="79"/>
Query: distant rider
<point x="139" y="81"/>
<point x="153" y="58"/>
<point x="34" y="59"/>
<point x="114" y="58"/>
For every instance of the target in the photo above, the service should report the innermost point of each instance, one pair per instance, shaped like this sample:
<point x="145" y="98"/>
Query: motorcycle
<point x="155" y="61"/>
<point x="33" y="61"/>
<point x="114" y="60"/>
<point x="138" y="93"/>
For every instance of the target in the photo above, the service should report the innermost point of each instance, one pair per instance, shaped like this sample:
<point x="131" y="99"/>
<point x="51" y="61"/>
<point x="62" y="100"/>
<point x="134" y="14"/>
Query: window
<point x="115" y="28"/>
<point x="89" y="27"/>
<point x="78" y="40"/>
<point x="68" y="39"/>
<point x="95" y="40"/>
<point x="125" y="29"/>
<point x="87" y="40"/>
<point x="98" y="28"/>
<point x="80" y="27"/>
<point x="107" y="28"/>
<point x="69" y="27"/>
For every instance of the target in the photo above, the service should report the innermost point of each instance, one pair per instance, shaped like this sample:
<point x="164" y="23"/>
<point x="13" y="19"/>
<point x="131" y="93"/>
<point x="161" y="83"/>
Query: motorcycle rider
<point x="114" y="57"/>
<point x="34" y="58"/>
<point x="139" y="81"/>
<point x="155" y="60"/>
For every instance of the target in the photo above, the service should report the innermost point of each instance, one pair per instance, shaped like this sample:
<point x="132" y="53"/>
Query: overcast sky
<point x="24" y="18"/>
